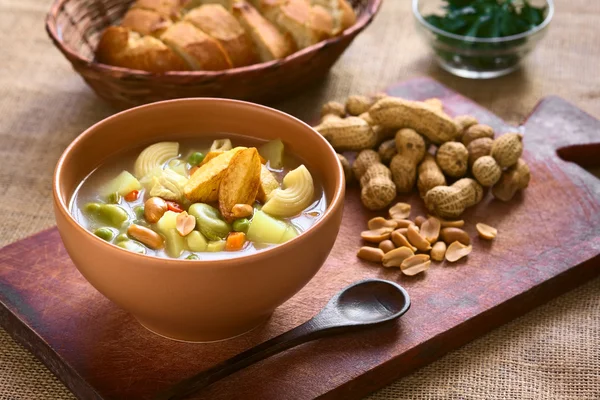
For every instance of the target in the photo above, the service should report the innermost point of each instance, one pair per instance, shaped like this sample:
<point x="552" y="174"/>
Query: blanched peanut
<point x="417" y="240"/>
<point x="146" y="236"/>
<point x="242" y="211"/>
<point x="387" y="245"/>
<point x="372" y="254"/>
<point x="438" y="251"/>
<point x="376" y="235"/>
<point x="403" y="231"/>
<point x="431" y="229"/>
<point x="415" y="264"/>
<point x="485" y="231"/>
<point x="456" y="251"/>
<point x="459" y="223"/>
<point x="380" y="222"/>
<point x="404" y="223"/>
<point x="401" y="241"/>
<point x="450" y="235"/>
<point x="396" y="257"/>
<point x="419" y="220"/>
<point x="185" y="223"/>
<point x="154" y="208"/>
<point x="400" y="211"/>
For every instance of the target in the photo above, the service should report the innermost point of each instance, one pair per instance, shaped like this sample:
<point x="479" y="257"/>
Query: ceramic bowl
<point x="196" y="300"/>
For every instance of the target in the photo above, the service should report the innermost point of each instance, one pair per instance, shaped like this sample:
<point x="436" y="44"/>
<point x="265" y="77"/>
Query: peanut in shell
<point x="397" y="113"/>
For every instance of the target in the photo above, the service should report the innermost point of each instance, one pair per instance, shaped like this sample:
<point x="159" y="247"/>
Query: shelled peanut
<point x="401" y="243"/>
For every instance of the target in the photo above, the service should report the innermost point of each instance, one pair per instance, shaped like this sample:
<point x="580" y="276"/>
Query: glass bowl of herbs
<point x="482" y="39"/>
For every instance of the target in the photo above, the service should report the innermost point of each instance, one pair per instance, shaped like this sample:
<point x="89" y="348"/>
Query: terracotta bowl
<point x="198" y="300"/>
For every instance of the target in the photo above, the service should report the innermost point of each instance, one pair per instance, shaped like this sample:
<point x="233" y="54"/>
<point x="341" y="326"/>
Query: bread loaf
<point x="178" y="35"/>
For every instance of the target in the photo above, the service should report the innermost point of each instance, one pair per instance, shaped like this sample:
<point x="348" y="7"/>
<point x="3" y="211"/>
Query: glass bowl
<point x="478" y="58"/>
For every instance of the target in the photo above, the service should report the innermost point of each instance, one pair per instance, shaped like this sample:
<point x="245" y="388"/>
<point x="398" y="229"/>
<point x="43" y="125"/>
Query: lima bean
<point x="110" y="214"/>
<point x="209" y="222"/>
<point x="132" y="245"/>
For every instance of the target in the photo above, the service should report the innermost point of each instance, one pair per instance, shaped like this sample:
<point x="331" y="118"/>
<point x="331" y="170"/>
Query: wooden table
<point x="550" y="353"/>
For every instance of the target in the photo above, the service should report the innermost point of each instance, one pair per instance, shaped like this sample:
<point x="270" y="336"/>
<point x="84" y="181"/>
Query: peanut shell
<point x="487" y="171"/>
<point x="350" y="133"/>
<point x="453" y="159"/>
<point x="363" y="161"/>
<point x="479" y="148"/>
<point x="404" y="173"/>
<point x="410" y="145"/>
<point x="333" y="108"/>
<point x="387" y="150"/>
<point x="430" y="175"/>
<point x="397" y="113"/>
<point x="477" y="131"/>
<point x="507" y="149"/>
<point x="357" y="104"/>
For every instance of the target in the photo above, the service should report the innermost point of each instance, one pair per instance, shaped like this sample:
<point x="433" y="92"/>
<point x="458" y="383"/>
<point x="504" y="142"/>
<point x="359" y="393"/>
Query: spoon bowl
<point x="372" y="301"/>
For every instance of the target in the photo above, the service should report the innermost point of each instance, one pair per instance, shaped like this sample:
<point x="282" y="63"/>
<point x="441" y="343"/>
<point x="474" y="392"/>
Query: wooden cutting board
<point x="548" y="243"/>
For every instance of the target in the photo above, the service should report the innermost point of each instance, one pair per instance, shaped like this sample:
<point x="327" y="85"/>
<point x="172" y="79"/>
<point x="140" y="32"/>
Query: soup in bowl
<point x="199" y="216"/>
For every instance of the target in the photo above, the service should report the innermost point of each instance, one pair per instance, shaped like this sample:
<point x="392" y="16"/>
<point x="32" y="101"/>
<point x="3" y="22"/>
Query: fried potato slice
<point x="203" y="185"/>
<point x="210" y="155"/>
<point x="268" y="183"/>
<point x="240" y="182"/>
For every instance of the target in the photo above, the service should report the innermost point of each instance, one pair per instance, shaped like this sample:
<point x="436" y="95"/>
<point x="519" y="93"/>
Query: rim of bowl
<point x="334" y="203"/>
<point x="540" y="27"/>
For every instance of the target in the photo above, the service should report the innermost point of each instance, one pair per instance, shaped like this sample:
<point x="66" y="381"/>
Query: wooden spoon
<point x="362" y="304"/>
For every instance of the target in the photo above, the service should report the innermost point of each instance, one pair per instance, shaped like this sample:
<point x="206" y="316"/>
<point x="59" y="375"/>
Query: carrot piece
<point x="174" y="206"/>
<point x="132" y="196"/>
<point x="235" y="241"/>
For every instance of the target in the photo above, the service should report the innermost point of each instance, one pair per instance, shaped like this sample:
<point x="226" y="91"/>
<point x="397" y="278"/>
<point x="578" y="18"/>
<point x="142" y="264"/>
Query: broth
<point x="89" y="191"/>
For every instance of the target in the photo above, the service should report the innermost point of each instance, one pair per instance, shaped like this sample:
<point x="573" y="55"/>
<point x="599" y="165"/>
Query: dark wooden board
<point x="548" y="243"/>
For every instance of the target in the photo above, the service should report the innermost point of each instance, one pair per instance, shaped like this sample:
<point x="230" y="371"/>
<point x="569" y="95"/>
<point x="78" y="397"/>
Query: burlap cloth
<point x="551" y="353"/>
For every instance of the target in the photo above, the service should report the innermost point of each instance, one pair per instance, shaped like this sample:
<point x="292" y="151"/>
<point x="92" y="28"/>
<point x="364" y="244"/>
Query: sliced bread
<point x="125" y="48"/>
<point x="267" y="39"/>
<point x="146" y="22"/>
<point x="200" y="51"/>
<point x="341" y="11"/>
<point x="216" y="21"/>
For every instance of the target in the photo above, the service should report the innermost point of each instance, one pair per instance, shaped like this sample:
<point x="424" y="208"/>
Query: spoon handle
<point x="308" y="331"/>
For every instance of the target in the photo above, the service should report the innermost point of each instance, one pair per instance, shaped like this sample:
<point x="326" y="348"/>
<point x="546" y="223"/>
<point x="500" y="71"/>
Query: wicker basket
<point x="75" y="27"/>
